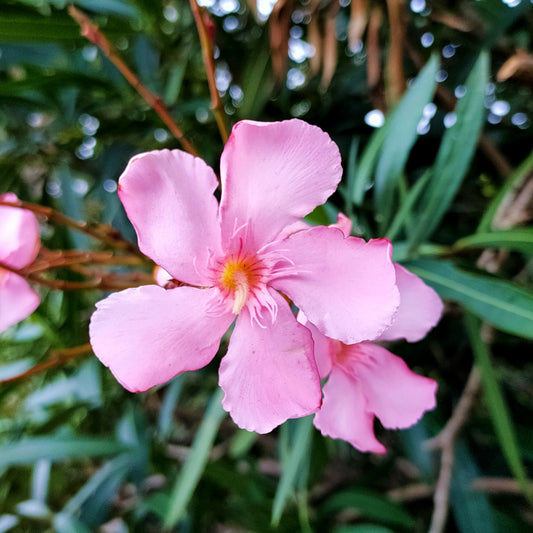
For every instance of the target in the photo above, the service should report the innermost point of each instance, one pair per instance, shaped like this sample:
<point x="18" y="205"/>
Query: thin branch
<point x="497" y="485"/>
<point x="103" y="233"/>
<point x="205" y="32"/>
<point x="91" y="31"/>
<point x="460" y="413"/>
<point x="445" y="442"/>
<point x="57" y="358"/>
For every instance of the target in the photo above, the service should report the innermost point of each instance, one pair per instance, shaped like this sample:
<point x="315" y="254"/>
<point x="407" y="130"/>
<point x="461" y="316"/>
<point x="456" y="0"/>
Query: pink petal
<point x="343" y="223"/>
<point x="324" y="348"/>
<point x="269" y="374"/>
<point x="274" y="174"/>
<point x="19" y="238"/>
<point x="17" y="299"/>
<point x="345" y="286"/>
<point x="397" y="396"/>
<point x="148" y="335"/>
<point x="344" y="415"/>
<point x="168" y="197"/>
<point x="420" y="308"/>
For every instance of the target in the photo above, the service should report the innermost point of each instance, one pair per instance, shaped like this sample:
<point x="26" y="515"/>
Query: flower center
<point x="239" y="277"/>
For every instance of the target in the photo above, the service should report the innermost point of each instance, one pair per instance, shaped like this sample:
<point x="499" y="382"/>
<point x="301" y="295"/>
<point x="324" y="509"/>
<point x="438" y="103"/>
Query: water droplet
<point x="375" y="118"/>
<point x="427" y="39"/>
<point x="500" y="108"/>
<point x="449" y="119"/>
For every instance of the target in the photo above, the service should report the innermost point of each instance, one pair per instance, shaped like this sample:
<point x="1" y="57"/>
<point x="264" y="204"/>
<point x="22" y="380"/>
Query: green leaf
<point x="472" y="510"/>
<point x="241" y="443"/>
<point x="166" y="413"/>
<point x="291" y="466"/>
<point x="196" y="461"/>
<point x="497" y="406"/>
<point x="406" y="208"/>
<point x="455" y="153"/>
<point x="401" y="135"/>
<point x="501" y="303"/>
<point x="256" y="85"/>
<point x="519" y="239"/>
<point x="28" y="451"/>
<point x="362" y="180"/>
<point x="370" y="504"/>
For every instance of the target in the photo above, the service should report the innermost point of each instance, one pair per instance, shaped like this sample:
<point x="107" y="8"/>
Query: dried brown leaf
<point x="518" y="67"/>
<point x="358" y="22"/>
<point x="279" y="24"/>
<point x="396" y="83"/>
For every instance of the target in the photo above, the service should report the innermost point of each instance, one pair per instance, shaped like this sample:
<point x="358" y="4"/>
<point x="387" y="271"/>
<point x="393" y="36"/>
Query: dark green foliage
<point x="77" y="451"/>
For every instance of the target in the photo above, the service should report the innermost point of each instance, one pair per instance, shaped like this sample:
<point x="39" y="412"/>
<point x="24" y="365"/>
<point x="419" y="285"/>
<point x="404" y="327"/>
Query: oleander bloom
<point x="366" y="380"/>
<point x="19" y="246"/>
<point x="235" y="261"/>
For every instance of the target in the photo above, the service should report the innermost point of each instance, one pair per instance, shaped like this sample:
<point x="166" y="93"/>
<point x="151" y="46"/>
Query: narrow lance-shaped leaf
<point x="501" y="303"/>
<point x="292" y="465"/>
<point x="454" y="156"/>
<point x="194" y="466"/>
<point x="401" y="135"/>
<point x="28" y="451"/>
<point x="498" y="409"/>
<point x="519" y="240"/>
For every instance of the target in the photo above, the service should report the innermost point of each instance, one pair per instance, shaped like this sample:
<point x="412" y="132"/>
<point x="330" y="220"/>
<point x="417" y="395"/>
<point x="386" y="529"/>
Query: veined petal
<point x="344" y="414"/>
<point x="345" y="286"/>
<point x="148" y="335"/>
<point x="324" y="348"/>
<point x="420" y="308"/>
<point x="19" y="237"/>
<point x="274" y="174"/>
<point x="395" y="394"/>
<point x="17" y="299"/>
<point x="168" y="197"/>
<point x="269" y="374"/>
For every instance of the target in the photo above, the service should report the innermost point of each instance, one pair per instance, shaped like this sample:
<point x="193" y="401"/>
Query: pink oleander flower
<point x="366" y="380"/>
<point x="19" y="246"/>
<point x="239" y="261"/>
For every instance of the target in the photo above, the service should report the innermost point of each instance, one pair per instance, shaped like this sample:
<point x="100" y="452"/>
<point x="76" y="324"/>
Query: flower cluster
<point x="247" y="260"/>
<point x="19" y="246"/>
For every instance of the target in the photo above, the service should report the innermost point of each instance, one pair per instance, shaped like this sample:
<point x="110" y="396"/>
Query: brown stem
<point x="49" y="259"/>
<point x="98" y="280"/>
<point x="445" y="442"/>
<point x="105" y="234"/>
<point x="496" y="485"/>
<point x="202" y="20"/>
<point x="395" y="75"/>
<point x="57" y="358"/>
<point x="91" y="31"/>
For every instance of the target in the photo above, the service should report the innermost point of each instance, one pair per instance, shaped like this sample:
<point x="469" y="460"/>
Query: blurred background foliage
<point x="431" y="105"/>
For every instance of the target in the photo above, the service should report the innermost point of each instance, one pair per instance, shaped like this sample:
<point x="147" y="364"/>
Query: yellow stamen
<point x="238" y="277"/>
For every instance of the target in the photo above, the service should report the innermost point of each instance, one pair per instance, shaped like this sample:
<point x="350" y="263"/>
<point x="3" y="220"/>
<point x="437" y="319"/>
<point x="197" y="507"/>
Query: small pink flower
<point x="19" y="245"/>
<point x="235" y="257"/>
<point x="366" y="380"/>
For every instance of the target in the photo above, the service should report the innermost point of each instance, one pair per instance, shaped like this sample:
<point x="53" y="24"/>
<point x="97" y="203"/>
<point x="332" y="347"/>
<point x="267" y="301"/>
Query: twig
<point x="498" y="485"/>
<point x="91" y="31"/>
<point x="205" y="33"/>
<point x="49" y="259"/>
<point x="57" y="358"/>
<point x="445" y="442"/>
<point x="418" y="491"/>
<point x="103" y="233"/>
